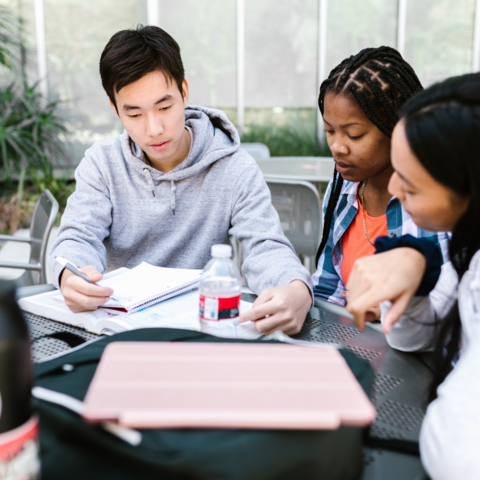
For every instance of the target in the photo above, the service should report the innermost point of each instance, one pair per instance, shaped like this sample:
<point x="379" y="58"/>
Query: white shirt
<point x="450" y="434"/>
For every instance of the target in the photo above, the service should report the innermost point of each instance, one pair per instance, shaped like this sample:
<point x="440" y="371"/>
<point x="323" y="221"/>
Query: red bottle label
<point x="219" y="308"/>
<point x="19" y="452"/>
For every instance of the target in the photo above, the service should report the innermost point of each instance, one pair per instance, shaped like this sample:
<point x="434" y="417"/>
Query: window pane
<point x="281" y="38"/>
<point x="206" y="33"/>
<point x="76" y="33"/>
<point x="281" y="51"/>
<point x="354" y="25"/>
<point x="439" y="38"/>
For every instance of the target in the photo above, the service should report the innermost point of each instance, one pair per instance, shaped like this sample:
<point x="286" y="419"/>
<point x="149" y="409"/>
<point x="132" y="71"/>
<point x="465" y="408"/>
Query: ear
<point x="185" y="93"/>
<point x="114" y="107"/>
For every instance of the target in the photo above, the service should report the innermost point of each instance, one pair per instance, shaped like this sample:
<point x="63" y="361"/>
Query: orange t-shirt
<point x="354" y="242"/>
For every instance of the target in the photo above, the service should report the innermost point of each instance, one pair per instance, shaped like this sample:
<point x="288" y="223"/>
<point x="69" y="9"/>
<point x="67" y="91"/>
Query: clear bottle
<point x="220" y="286"/>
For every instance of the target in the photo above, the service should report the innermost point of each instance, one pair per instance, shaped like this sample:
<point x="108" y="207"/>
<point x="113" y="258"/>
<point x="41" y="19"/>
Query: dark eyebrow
<point x="346" y="125"/>
<point x="164" y="99"/>
<point x="127" y="107"/>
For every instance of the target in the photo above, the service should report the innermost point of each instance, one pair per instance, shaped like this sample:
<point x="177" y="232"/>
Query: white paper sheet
<point x="146" y="281"/>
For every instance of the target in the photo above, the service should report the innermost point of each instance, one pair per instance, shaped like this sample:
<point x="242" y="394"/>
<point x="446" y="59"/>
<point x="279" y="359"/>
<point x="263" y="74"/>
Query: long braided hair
<point x="380" y="81"/>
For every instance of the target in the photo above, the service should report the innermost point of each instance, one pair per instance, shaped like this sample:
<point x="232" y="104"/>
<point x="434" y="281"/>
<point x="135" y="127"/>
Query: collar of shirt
<point x="327" y="279"/>
<point x="347" y="207"/>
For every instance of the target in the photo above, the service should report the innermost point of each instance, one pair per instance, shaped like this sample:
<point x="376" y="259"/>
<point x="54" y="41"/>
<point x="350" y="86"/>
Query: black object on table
<point x="401" y="381"/>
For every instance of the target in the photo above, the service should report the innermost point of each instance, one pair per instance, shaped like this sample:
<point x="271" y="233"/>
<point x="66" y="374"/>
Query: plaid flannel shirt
<point x="327" y="280"/>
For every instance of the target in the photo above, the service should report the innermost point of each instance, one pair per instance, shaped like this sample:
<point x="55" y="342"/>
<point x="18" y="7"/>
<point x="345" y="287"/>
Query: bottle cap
<point x="223" y="251"/>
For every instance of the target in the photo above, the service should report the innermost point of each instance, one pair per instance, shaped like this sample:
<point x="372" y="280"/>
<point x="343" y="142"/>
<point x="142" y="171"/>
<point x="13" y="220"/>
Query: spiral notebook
<point x="146" y="285"/>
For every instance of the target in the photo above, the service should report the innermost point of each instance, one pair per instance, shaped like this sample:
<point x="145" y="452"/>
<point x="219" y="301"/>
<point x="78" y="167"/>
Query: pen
<point x="74" y="269"/>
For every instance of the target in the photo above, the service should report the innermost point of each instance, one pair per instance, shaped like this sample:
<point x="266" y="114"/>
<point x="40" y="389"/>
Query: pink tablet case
<point x="212" y="385"/>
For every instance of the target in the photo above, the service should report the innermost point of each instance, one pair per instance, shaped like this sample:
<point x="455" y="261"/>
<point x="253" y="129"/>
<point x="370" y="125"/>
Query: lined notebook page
<point x="145" y="281"/>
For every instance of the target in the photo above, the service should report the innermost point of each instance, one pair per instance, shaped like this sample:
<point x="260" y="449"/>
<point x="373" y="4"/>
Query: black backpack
<point x="72" y="449"/>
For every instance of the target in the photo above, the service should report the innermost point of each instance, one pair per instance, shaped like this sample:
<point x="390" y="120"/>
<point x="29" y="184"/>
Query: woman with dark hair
<point x="435" y="154"/>
<point x="360" y="103"/>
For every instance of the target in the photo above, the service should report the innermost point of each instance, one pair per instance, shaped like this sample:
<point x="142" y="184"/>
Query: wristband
<point x="427" y="248"/>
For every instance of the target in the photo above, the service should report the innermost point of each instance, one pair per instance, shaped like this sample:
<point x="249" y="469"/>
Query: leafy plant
<point x="12" y="214"/>
<point x="29" y="129"/>
<point x="13" y="210"/>
<point x="287" y="140"/>
<point x="9" y="38"/>
<point x="44" y="177"/>
<point x="16" y="206"/>
<point x="29" y="125"/>
<point x="29" y="135"/>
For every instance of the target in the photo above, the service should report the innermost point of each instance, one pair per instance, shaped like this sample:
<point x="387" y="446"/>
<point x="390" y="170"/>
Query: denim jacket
<point x="327" y="280"/>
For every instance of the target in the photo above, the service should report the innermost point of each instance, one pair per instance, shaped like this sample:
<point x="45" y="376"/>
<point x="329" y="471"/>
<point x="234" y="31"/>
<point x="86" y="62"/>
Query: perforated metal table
<point x="401" y="381"/>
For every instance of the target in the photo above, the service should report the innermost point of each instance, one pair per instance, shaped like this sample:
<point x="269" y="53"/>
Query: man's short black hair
<point x="131" y="54"/>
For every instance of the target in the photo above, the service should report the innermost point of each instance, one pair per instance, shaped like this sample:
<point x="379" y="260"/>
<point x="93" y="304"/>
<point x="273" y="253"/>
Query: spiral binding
<point x="152" y="300"/>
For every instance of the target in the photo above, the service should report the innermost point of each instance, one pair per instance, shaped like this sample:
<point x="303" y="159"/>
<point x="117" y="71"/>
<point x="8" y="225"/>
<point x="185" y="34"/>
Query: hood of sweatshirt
<point x="114" y="220"/>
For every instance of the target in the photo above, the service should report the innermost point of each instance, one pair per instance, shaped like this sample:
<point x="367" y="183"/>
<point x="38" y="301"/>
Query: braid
<point x="380" y="81"/>
<point x="332" y="202"/>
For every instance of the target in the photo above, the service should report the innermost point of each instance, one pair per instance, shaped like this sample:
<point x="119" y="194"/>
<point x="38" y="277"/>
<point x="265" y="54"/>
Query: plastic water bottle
<point x="220" y="286"/>
<point x="19" y="450"/>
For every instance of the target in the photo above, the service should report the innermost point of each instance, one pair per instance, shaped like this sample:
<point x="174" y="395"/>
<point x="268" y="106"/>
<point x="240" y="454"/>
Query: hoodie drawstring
<point x="149" y="180"/>
<point x="172" y="196"/>
<point x="148" y="175"/>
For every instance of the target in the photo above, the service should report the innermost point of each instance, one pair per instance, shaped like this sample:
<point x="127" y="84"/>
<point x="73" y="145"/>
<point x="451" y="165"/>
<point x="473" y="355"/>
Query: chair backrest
<point x="299" y="208"/>
<point x="259" y="151"/>
<point x="43" y="219"/>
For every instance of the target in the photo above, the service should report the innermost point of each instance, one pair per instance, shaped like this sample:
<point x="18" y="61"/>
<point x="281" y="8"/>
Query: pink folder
<point x="225" y="385"/>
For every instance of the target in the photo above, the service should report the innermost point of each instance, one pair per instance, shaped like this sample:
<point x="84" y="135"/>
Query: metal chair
<point x="299" y="208"/>
<point x="259" y="151"/>
<point x="43" y="219"/>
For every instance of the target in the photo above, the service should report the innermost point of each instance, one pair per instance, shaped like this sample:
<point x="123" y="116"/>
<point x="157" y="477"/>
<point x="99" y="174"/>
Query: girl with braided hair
<point x="435" y="153"/>
<point x="360" y="102"/>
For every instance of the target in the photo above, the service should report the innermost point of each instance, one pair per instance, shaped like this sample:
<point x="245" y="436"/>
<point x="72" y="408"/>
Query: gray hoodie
<point x="124" y="212"/>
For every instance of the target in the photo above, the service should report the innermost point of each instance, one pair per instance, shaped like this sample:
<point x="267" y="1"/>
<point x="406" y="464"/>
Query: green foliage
<point x="17" y="203"/>
<point x="29" y="135"/>
<point x="29" y="129"/>
<point x="9" y="38"/>
<point x="288" y="132"/>
<point x="287" y="140"/>
<point x="59" y="186"/>
<point x="29" y="125"/>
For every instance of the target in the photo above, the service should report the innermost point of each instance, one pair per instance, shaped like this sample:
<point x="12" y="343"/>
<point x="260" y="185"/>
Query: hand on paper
<point x="281" y="308"/>
<point x="394" y="275"/>
<point x="81" y="296"/>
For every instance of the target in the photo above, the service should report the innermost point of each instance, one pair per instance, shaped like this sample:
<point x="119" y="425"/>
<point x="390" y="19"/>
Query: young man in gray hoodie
<point x="173" y="184"/>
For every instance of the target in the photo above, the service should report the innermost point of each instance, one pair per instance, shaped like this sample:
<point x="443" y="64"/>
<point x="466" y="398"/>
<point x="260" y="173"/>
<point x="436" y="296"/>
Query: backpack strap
<point x="71" y="339"/>
<point x="393" y="444"/>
